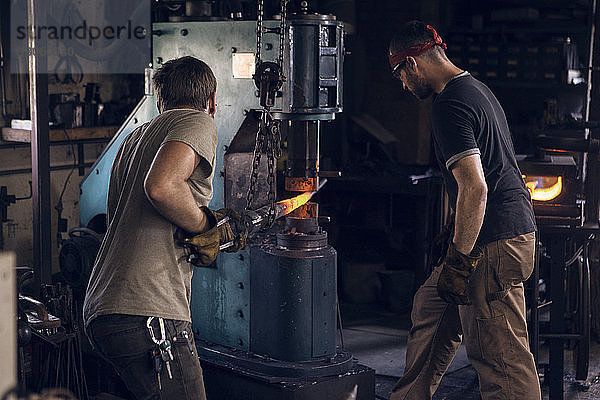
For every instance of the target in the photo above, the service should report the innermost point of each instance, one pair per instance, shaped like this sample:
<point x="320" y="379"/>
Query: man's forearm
<point x="176" y="203"/>
<point x="470" y="210"/>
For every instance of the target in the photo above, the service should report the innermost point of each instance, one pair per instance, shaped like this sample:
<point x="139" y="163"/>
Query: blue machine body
<point x="265" y="315"/>
<point x="94" y="186"/>
<point x="223" y="292"/>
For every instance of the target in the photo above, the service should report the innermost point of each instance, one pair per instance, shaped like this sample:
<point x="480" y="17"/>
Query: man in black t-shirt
<point x="476" y="288"/>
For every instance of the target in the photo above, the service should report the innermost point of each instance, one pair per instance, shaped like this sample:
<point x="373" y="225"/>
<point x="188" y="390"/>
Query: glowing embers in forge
<point x="544" y="188"/>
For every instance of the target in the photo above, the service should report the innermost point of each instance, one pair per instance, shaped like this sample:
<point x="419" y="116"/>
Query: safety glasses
<point x="396" y="70"/>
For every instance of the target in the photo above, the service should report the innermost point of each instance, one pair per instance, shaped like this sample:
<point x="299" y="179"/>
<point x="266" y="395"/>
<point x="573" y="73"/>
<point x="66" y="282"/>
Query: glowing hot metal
<point x="257" y="220"/>
<point x="295" y="202"/>
<point x="544" y="193"/>
<point x="284" y="207"/>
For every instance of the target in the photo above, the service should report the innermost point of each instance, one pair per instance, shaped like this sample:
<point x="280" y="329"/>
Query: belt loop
<point x="175" y="332"/>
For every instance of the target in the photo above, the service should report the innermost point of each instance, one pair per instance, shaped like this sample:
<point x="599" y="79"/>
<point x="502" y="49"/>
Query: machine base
<point x="271" y="370"/>
<point x="226" y="382"/>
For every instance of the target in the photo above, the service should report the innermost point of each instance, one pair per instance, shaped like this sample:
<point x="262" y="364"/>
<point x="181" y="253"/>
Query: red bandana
<point x="417" y="49"/>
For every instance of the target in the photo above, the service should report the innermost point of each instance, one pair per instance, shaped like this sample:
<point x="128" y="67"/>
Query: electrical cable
<point x="577" y="253"/>
<point x="72" y="169"/>
<point x="575" y="257"/>
<point x="59" y="203"/>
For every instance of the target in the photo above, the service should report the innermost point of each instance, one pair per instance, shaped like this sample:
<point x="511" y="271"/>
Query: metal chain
<point x="255" y="164"/>
<point x="268" y="136"/>
<point x="282" y="34"/>
<point x="259" y="30"/>
<point x="276" y="132"/>
<point x="273" y="153"/>
<point x="271" y="181"/>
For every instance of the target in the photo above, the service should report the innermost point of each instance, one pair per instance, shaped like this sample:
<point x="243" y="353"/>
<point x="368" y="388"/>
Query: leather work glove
<point x="456" y="271"/>
<point x="227" y="233"/>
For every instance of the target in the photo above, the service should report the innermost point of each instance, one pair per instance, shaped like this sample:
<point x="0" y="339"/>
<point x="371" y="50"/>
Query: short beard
<point x="420" y="88"/>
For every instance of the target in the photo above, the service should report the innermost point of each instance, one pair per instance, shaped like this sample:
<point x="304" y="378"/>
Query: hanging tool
<point x="163" y="355"/>
<point x="268" y="78"/>
<point x="5" y="201"/>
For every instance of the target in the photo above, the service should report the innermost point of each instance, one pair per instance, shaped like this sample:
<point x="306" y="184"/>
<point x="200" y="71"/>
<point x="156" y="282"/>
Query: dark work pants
<point x="124" y="341"/>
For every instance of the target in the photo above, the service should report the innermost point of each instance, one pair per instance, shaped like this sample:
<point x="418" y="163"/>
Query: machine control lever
<point x="323" y="219"/>
<point x="330" y="174"/>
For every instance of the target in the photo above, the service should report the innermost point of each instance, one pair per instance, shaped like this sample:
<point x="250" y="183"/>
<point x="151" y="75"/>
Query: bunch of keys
<point x="164" y="353"/>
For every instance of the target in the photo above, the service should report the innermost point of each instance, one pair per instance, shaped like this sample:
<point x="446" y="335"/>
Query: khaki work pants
<point x="494" y="329"/>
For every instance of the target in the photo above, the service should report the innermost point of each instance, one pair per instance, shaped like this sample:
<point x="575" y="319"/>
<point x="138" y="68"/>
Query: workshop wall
<point x="375" y="96"/>
<point x="17" y="233"/>
<point x="118" y="93"/>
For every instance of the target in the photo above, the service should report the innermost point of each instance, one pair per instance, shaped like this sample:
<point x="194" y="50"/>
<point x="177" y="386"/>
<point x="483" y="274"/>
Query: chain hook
<point x="269" y="78"/>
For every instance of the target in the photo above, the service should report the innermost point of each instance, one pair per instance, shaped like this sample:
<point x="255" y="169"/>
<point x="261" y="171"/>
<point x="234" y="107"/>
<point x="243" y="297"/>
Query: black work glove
<point x="456" y="271"/>
<point x="227" y="232"/>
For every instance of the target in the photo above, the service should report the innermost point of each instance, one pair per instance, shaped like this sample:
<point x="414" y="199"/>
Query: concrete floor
<point x="377" y="339"/>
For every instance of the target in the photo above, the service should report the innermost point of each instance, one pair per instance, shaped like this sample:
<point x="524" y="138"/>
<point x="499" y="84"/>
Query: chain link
<point x="276" y="134"/>
<point x="268" y="139"/>
<point x="268" y="136"/>
<point x="273" y="153"/>
<point x="259" y="30"/>
<point x="255" y="164"/>
<point x="282" y="33"/>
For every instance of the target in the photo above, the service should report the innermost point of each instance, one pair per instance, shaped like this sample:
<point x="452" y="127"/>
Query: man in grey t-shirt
<point x="160" y="179"/>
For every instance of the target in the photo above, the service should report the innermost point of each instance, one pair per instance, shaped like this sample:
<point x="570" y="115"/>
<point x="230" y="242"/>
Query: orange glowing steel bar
<point x="295" y="202"/>
<point x="545" y="194"/>
<point x="286" y="206"/>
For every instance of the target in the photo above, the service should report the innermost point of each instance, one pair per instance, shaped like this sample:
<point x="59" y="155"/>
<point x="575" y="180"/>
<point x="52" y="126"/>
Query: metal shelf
<point x="12" y="145"/>
<point x="79" y="137"/>
<point x="559" y="28"/>
<point x="534" y="85"/>
<point x="58" y="135"/>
